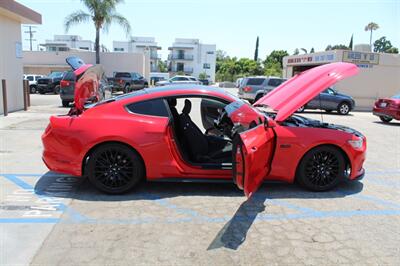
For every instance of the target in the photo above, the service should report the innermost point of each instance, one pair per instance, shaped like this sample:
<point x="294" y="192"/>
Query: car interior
<point x="196" y="146"/>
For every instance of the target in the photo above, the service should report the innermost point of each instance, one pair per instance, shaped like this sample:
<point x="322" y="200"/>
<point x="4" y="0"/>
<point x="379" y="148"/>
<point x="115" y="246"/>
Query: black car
<point x="129" y="81"/>
<point x="67" y="88"/>
<point x="51" y="83"/>
<point x="331" y="100"/>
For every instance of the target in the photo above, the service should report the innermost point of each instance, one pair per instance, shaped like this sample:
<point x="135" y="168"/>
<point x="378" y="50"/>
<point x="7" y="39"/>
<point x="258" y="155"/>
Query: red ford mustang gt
<point x="142" y="135"/>
<point x="388" y="109"/>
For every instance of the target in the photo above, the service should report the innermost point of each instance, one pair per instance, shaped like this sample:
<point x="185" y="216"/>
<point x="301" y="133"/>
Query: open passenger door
<point x="252" y="150"/>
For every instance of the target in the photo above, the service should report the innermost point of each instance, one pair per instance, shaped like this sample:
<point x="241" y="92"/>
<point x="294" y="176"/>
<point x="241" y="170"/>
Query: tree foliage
<point x="383" y="45"/>
<point x="102" y="13"/>
<point x="229" y="69"/>
<point x="336" y="47"/>
<point x="256" y="51"/>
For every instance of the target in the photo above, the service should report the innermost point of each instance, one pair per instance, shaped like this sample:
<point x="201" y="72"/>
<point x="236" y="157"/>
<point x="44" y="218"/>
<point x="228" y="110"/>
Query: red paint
<point x="392" y="108"/>
<point x="68" y="140"/>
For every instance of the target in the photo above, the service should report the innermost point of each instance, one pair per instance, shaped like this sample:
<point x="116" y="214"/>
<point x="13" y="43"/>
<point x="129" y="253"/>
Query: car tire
<point x="32" y="89"/>
<point x="114" y="168"/>
<point x="57" y="89"/>
<point x="343" y="108"/>
<point x="321" y="169"/>
<point x="146" y="85"/>
<point x="385" y="119"/>
<point x="301" y="109"/>
<point x="126" y="88"/>
<point x="65" y="103"/>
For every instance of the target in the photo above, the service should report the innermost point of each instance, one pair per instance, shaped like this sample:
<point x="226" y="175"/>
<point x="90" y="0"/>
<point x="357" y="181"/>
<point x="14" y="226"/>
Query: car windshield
<point x="55" y="75"/>
<point x="122" y="75"/>
<point x="396" y="96"/>
<point x="255" y="81"/>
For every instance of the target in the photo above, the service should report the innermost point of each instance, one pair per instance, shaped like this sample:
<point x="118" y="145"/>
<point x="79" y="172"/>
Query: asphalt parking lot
<point x="48" y="218"/>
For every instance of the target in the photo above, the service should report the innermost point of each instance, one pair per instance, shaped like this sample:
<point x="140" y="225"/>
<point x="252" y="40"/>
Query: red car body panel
<point x="302" y="88"/>
<point x="387" y="107"/>
<point x="272" y="151"/>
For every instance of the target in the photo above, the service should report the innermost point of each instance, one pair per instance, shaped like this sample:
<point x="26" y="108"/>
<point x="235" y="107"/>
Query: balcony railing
<point x="187" y="70"/>
<point x="180" y="57"/>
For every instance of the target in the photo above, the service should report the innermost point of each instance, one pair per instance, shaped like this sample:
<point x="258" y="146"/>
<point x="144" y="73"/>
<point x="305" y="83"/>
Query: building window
<point x="84" y="48"/>
<point x="118" y="49"/>
<point x="206" y="66"/>
<point x="52" y="49"/>
<point x="210" y="52"/>
<point x="62" y="49"/>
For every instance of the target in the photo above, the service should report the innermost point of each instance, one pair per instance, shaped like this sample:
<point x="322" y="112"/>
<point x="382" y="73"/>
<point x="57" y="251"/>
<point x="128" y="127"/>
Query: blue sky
<point x="233" y="25"/>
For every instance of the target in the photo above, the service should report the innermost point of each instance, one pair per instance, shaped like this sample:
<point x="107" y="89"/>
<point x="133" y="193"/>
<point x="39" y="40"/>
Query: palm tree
<point x="102" y="13"/>
<point x="371" y="27"/>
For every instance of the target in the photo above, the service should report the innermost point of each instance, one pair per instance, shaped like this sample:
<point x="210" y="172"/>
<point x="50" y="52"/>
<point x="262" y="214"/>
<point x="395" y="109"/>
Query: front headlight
<point x="356" y="143"/>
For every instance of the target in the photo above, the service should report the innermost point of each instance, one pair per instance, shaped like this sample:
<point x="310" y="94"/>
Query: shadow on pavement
<point x="392" y="123"/>
<point x="234" y="232"/>
<point x="83" y="190"/>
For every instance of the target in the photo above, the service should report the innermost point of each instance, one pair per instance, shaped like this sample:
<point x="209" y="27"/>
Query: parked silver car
<point x="179" y="80"/>
<point x="253" y="88"/>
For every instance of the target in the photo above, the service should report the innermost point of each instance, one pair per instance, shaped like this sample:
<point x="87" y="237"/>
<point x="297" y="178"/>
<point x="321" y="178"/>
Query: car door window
<point x="154" y="107"/>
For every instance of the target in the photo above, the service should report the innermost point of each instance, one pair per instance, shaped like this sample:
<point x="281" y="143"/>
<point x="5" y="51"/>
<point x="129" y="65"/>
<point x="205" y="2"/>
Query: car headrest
<point x="172" y="102"/>
<point x="187" y="108"/>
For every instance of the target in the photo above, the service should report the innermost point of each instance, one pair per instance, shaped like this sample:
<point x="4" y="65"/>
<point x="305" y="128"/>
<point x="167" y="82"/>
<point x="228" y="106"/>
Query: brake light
<point x="64" y="83"/>
<point x="121" y="81"/>
<point x="247" y="89"/>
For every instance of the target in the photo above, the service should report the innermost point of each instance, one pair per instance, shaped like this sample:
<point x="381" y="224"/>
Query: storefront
<point x="379" y="73"/>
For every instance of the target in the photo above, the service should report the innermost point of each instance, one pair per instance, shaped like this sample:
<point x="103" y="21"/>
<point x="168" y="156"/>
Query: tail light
<point x="247" y="89"/>
<point x="120" y="81"/>
<point x="64" y="83"/>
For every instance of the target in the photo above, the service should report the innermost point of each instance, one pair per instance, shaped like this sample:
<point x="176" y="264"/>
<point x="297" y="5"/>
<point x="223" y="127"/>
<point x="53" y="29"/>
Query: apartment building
<point x="140" y="45"/>
<point x="63" y="43"/>
<point x="191" y="57"/>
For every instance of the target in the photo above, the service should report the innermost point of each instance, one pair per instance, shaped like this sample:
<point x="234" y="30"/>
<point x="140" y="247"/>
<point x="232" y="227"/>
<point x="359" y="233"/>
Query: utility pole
<point x="31" y="32"/>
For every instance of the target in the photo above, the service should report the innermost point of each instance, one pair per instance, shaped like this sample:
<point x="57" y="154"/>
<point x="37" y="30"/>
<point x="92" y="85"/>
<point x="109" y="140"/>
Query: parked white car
<point x="179" y="80"/>
<point x="32" y="78"/>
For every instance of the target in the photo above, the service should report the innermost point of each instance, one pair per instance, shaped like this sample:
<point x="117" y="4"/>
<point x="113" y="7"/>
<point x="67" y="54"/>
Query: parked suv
<point x="32" y="78"/>
<point x="330" y="100"/>
<point x="67" y="88"/>
<point x="253" y="88"/>
<point x="51" y="83"/>
<point x="129" y="81"/>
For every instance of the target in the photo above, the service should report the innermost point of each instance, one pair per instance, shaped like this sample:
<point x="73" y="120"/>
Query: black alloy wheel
<point x="385" y="119"/>
<point x="321" y="169"/>
<point x="115" y="168"/>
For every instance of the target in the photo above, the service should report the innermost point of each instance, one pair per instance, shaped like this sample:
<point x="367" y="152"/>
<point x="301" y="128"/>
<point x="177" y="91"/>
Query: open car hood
<point x="302" y="88"/>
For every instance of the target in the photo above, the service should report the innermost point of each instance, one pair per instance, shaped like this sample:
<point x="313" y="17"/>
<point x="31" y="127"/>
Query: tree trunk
<point x="370" y="41"/>
<point x="97" y="45"/>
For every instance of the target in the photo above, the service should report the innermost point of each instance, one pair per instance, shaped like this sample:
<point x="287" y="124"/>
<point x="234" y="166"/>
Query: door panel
<point x="252" y="156"/>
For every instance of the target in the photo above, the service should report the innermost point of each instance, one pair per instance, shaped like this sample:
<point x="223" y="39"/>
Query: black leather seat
<point x="201" y="148"/>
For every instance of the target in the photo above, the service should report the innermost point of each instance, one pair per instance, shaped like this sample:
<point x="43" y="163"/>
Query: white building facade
<point x="62" y="43"/>
<point x="191" y="57"/>
<point x="140" y="45"/>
